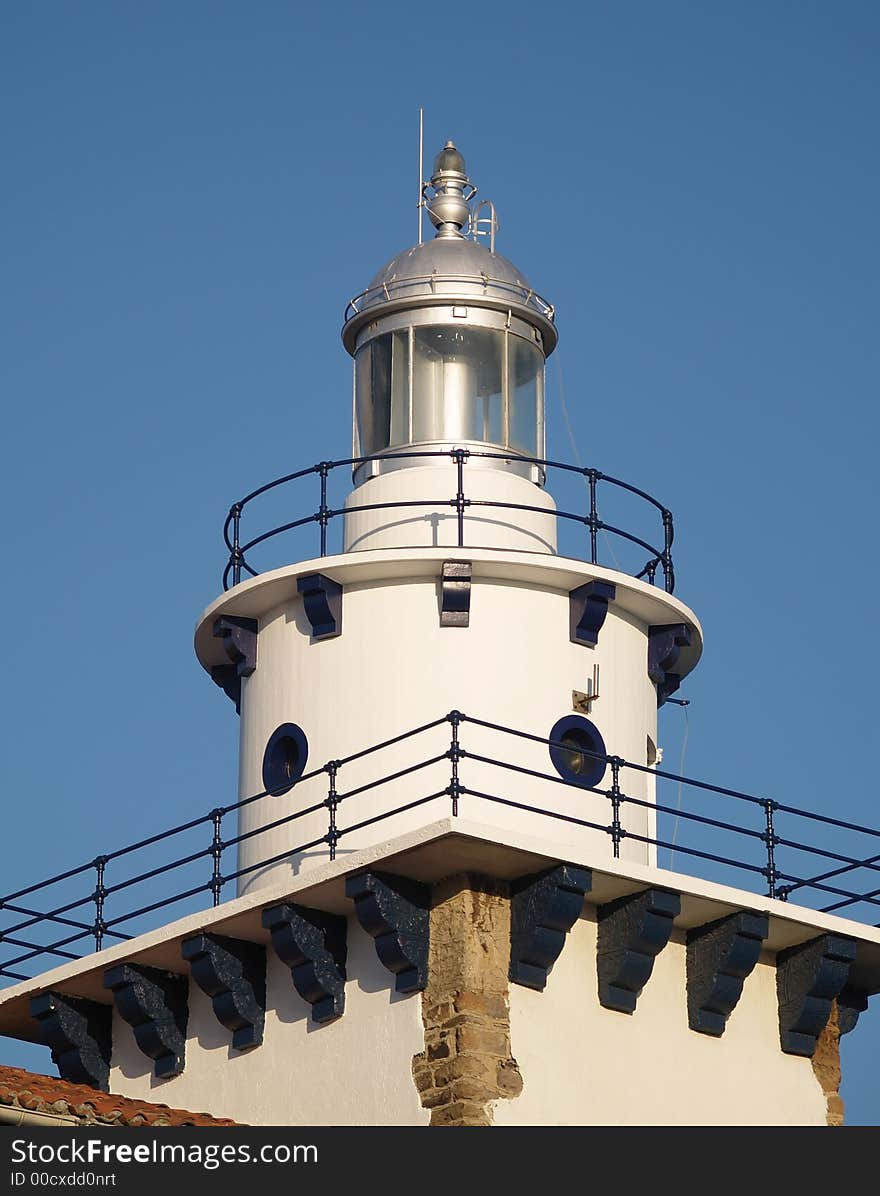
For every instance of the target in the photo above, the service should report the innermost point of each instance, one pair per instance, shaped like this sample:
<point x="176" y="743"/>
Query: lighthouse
<point x="439" y="897"/>
<point x="449" y="594"/>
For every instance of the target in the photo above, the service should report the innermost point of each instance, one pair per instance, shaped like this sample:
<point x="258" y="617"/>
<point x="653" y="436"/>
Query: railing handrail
<point x="392" y="289"/>
<point x="780" y="884"/>
<point x="660" y="558"/>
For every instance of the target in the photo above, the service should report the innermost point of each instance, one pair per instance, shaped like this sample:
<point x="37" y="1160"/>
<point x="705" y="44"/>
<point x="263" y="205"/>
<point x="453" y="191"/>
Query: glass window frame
<point x="511" y="339"/>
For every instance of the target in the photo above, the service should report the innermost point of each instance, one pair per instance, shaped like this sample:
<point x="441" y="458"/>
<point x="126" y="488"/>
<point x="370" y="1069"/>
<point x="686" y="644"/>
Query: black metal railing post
<point x="770" y="840"/>
<point x="235" y="511"/>
<point x="332" y="804"/>
<point x="454" y="754"/>
<point x="614" y="794"/>
<point x="237" y="566"/>
<point x="668" y="568"/>
<point x="98" y="897"/>
<point x="460" y="456"/>
<point x="69" y="915"/>
<point x="216" y="853"/>
<point x="593" y="476"/>
<point x="323" y="510"/>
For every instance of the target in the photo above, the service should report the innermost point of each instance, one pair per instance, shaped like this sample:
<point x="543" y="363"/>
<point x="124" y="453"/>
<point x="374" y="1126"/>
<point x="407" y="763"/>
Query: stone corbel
<point x="233" y="974"/>
<point x="809" y="977"/>
<point x="633" y="930"/>
<point x="313" y="945"/>
<point x="543" y="908"/>
<point x="154" y="1003"/>
<point x="395" y="912"/>
<point x="79" y="1034"/>
<point x="720" y="955"/>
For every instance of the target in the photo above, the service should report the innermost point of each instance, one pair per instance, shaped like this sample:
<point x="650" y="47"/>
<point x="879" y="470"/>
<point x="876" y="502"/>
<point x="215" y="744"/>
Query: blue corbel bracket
<point x="720" y="956"/>
<point x="633" y="931"/>
<point x="543" y="909"/>
<point x="455" y="594"/>
<point x="322" y="602"/>
<point x="79" y="1034"/>
<point x="587" y="608"/>
<point x="809" y="978"/>
<point x="665" y="643"/>
<point x="239" y="638"/>
<point x="395" y="912"/>
<point x="313" y="944"/>
<point x="154" y="1003"/>
<point x="233" y="974"/>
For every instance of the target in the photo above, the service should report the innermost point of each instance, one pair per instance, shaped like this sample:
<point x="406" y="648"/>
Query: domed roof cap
<point x="449" y="270"/>
<point x="452" y="267"/>
<point x="467" y="260"/>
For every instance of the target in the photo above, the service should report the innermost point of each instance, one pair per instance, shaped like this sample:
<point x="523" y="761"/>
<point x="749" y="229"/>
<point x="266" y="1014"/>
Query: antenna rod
<point x="421" y="152"/>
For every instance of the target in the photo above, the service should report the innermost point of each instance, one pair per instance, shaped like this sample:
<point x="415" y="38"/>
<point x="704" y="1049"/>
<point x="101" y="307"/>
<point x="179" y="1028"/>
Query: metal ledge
<point x="255" y="597"/>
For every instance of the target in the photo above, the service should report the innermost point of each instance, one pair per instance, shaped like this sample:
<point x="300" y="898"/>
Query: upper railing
<point x="588" y="519"/>
<point x="438" y="284"/>
<point x="722" y="834"/>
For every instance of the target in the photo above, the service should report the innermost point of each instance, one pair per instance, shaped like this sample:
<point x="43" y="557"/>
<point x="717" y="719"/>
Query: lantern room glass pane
<point x="381" y="387"/>
<point x="461" y="390"/>
<point x="457" y="384"/>
<point x="526" y="381"/>
<point x="399" y="387"/>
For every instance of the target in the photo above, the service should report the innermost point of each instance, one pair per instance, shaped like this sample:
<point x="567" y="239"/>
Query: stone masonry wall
<point x="467" y="1063"/>
<point x="826" y="1065"/>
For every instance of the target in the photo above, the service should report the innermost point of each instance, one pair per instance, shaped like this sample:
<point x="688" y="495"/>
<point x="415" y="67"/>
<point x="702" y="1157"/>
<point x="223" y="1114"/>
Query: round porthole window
<point x="576" y="744"/>
<point x="284" y="760"/>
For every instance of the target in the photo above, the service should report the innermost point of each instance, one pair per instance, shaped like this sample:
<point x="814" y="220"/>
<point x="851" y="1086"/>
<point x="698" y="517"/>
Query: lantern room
<point x="449" y="342"/>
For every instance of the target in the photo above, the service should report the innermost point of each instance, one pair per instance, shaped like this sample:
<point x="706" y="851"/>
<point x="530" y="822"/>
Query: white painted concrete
<point x="356" y="1070"/>
<point x="394" y="668"/>
<point x="437" y="524"/>
<point x="585" y="1065"/>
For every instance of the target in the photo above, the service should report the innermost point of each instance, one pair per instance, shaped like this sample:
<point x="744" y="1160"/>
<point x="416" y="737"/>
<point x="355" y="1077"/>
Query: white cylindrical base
<point x="394" y="668"/>
<point x="436" y="524"/>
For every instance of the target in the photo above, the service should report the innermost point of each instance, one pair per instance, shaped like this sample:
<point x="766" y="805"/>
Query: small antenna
<point x="583" y="702"/>
<point x="421" y="179"/>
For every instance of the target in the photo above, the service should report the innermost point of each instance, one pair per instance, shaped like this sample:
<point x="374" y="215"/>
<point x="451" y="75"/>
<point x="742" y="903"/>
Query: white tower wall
<point x="502" y="526"/>
<point x="394" y="668"/>
<point x="581" y="1064"/>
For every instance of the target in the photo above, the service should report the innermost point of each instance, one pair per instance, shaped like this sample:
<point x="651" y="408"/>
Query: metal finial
<point x="448" y="194"/>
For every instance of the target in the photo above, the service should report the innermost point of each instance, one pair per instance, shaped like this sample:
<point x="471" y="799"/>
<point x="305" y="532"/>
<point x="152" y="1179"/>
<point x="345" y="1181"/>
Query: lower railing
<point x="718" y="833"/>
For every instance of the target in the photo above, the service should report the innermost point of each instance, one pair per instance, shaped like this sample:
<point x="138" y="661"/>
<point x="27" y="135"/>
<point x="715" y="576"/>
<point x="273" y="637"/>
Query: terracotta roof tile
<point x="48" y="1094"/>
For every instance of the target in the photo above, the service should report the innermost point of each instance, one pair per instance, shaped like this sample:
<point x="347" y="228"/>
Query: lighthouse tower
<point x="438" y="898"/>
<point x="449" y="594"/>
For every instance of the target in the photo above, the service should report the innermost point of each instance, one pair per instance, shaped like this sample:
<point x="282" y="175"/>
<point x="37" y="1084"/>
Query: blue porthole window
<point x="284" y="760"/>
<point x="574" y="748"/>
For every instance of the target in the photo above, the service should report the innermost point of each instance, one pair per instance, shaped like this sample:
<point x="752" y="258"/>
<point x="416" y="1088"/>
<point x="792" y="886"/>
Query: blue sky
<point x="192" y="194"/>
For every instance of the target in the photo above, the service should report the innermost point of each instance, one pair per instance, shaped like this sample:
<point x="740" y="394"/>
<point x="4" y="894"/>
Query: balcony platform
<point x="443" y="848"/>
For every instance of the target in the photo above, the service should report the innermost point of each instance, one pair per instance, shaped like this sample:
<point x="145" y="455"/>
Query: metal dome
<point x="446" y="255"/>
<point x="454" y="269"/>
<point x="449" y="268"/>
